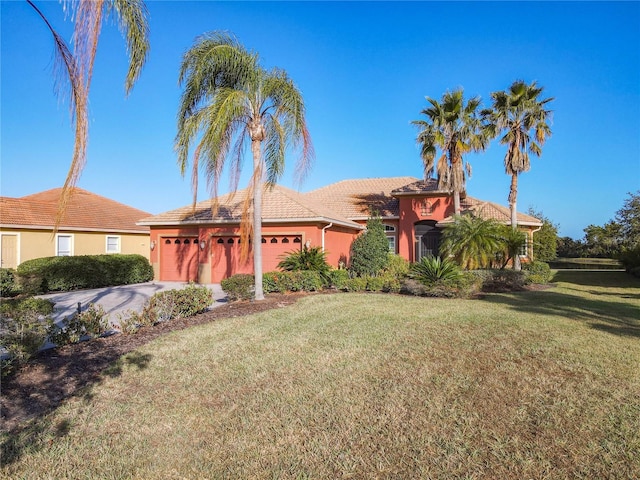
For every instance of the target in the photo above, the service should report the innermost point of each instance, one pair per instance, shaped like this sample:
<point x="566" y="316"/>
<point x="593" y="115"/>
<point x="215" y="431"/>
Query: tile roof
<point x="430" y="185"/>
<point x="356" y="198"/>
<point x="487" y="210"/>
<point x="279" y="205"/>
<point x="85" y="211"/>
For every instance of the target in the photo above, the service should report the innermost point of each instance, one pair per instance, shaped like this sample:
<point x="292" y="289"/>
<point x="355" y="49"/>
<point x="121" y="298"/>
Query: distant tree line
<point x="611" y="240"/>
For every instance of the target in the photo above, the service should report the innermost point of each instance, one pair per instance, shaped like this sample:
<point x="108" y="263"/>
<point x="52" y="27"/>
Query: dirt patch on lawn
<point x="57" y="374"/>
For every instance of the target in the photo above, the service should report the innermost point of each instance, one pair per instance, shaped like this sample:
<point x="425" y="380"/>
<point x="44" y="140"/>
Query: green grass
<point x="531" y="385"/>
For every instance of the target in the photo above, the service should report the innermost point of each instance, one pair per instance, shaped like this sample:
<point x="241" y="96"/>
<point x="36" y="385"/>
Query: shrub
<point x="238" y="287"/>
<point x="375" y="284"/>
<point x="311" y="259"/>
<point x="85" y="271"/>
<point x="90" y="323"/>
<point x="274" y="282"/>
<point x="338" y="279"/>
<point x="8" y="285"/>
<point x="537" y="272"/>
<point x="23" y="329"/>
<point x="430" y="270"/>
<point x="463" y="286"/>
<point x="500" y="280"/>
<point x="356" y="284"/>
<point x="370" y="251"/>
<point x="630" y="259"/>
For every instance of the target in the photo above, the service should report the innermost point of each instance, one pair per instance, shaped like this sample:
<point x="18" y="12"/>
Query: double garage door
<point x="179" y="256"/>
<point x="226" y="254"/>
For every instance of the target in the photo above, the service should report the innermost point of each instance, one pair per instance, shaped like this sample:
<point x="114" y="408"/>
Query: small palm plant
<point x="432" y="270"/>
<point x="314" y="259"/>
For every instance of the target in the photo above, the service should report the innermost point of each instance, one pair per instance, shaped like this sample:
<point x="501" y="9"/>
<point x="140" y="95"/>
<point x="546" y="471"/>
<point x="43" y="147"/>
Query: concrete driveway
<point x="118" y="299"/>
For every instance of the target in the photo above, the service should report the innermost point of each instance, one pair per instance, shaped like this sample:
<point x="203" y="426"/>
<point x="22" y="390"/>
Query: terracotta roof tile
<point x="279" y="204"/>
<point x="85" y="210"/>
<point x="430" y="185"/>
<point x="487" y="210"/>
<point x="355" y="199"/>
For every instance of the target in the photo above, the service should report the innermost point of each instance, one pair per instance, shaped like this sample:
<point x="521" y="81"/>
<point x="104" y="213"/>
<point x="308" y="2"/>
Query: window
<point x="389" y="228"/>
<point x="113" y="244"/>
<point x="64" y="245"/>
<point x="392" y="243"/>
<point x="524" y="249"/>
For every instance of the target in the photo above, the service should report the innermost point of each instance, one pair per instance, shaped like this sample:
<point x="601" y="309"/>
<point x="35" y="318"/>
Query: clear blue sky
<point x="364" y="70"/>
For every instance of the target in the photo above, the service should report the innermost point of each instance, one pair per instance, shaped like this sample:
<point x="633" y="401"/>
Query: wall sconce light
<point x="203" y="244"/>
<point x="152" y="245"/>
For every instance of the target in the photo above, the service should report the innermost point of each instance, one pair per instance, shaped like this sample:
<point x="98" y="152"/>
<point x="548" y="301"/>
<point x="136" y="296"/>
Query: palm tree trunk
<point x="456" y="202"/>
<point x="513" y="195"/>
<point x="257" y="219"/>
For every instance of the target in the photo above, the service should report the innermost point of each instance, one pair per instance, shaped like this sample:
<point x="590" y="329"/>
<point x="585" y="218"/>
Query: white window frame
<point x="392" y="243"/>
<point x="106" y="243"/>
<point x="71" y="244"/>
<point x="524" y="250"/>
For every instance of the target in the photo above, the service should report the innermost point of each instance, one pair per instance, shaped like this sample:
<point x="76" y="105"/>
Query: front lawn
<point x="541" y="384"/>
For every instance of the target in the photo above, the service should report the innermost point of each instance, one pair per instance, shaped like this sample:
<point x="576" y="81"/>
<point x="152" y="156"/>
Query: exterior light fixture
<point x="152" y="245"/>
<point x="203" y="244"/>
<point x="425" y="209"/>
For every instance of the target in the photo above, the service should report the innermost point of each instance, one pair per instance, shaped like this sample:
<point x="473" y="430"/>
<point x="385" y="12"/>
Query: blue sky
<point x="364" y="69"/>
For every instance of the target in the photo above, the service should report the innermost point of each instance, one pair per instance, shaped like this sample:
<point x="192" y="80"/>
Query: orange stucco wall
<point x="412" y="211"/>
<point x="337" y="242"/>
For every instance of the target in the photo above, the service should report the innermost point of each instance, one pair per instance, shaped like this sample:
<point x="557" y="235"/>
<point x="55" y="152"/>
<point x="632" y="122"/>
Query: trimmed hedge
<point x="8" y="284"/>
<point x="50" y="274"/>
<point x="537" y="272"/>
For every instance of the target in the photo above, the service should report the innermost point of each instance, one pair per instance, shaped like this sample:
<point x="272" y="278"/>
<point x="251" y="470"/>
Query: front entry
<point x="427" y="241"/>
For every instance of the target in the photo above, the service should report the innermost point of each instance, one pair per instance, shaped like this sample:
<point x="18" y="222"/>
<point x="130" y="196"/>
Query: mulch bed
<point x="60" y="373"/>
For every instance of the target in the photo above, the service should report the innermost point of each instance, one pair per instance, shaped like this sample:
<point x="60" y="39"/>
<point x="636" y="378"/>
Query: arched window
<point x="186" y="241"/>
<point x="264" y="240"/>
<point x="167" y="241"/>
<point x="297" y="240"/>
<point x="274" y="240"/>
<point x="230" y="240"/>
<point x="220" y="240"/>
<point x="285" y="240"/>
<point x="177" y="241"/>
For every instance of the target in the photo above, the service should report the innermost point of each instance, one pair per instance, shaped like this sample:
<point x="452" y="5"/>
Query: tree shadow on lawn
<point x="614" y="317"/>
<point x="60" y="380"/>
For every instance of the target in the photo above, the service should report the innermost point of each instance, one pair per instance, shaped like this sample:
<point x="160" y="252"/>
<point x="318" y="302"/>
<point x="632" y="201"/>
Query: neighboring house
<point x="91" y="225"/>
<point x="203" y="244"/>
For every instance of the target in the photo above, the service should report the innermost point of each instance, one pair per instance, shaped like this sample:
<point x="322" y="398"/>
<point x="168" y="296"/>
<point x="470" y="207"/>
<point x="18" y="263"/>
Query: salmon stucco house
<point x="91" y="225"/>
<point x="203" y="244"/>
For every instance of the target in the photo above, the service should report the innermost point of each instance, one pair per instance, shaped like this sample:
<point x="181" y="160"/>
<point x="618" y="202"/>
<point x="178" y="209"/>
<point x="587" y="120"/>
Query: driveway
<point x="118" y="299"/>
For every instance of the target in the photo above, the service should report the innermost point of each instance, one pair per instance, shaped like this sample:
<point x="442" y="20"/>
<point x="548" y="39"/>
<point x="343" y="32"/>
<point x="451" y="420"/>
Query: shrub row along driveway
<point x="119" y="299"/>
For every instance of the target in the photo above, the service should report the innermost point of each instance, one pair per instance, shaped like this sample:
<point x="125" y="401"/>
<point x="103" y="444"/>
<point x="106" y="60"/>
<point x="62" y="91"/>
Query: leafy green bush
<point x="500" y="280"/>
<point x="375" y="284"/>
<point x="90" y="323"/>
<point x="630" y="259"/>
<point x="23" y="329"/>
<point x="238" y="287"/>
<point x="8" y="285"/>
<point x="85" y="271"/>
<point x="356" y="284"/>
<point x="430" y="270"/>
<point x="338" y="278"/>
<point x="465" y="285"/>
<point x="537" y="272"/>
<point x="370" y="250"/>
<point x="397" y="265"/>
<point x="274" y="282"/>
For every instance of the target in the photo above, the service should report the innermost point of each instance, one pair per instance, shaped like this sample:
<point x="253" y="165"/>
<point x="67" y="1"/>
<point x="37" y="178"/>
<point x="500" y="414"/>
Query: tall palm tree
<point x="75" y="69"/>
<point x="455" y="128"/>
<point x="229" y="98"/>
<point x="522" y="115"/>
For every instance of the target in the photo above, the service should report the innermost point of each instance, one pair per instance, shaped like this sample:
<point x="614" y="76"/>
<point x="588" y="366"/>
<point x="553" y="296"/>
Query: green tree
<point x="454" y="128"/>
<point x="523" y="117"/>
<point x="472" y="241"/>
<point x="628" y="217"/>
<point x="74" y="70"/>
<point x="229" y="98"/>
<point x="570" y="248"/>
<point x="370" y="250"/>
<point x="603" y="242"/>
<point x="545" y="240"/>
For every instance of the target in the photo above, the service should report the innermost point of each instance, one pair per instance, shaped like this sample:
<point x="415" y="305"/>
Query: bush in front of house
<point x="42" y="275"/>
<point x="308" y="259"/>
<point x="630" y="259"/>
<point x="370" y="250"/>
<point x="537" y="272"/>
<point x="90" y="323"/>
<point x="500" y="280"/>
<point x="238" y="287"/>
<point x="23" y="329"/>
<point x="437" y="277"/>
<point x="8" y="285"/>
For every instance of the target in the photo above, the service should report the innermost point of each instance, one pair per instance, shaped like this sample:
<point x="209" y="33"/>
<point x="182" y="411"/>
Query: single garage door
<point x="179" y="259"/>
<point x="226" y="260"/>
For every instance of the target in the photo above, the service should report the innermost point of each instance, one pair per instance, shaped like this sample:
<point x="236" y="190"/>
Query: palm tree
<point x="472" y="241"/>
<point x="76" y="69"/>
<point x="454" y="127"/>
<point x="522" y="115"/>
<point x="228" y="99"/>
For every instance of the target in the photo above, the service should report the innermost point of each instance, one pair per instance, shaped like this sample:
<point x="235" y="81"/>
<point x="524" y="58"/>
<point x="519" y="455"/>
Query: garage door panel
<point x="179" y="259"/>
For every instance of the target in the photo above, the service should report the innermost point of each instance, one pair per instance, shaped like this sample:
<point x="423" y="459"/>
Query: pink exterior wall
<point x="411" y="212"/>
